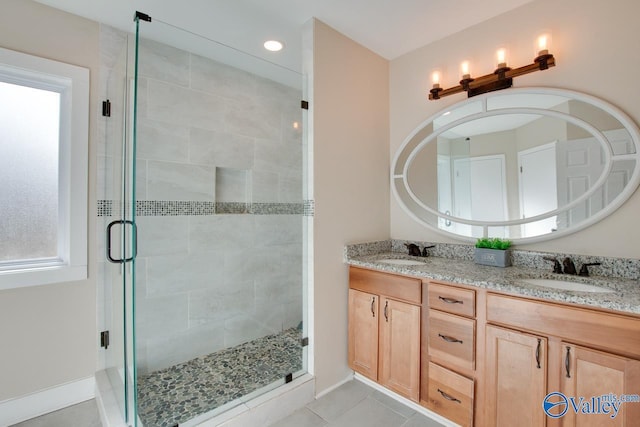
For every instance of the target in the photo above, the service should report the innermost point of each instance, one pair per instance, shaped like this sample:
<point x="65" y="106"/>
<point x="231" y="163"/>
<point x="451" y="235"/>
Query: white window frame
<point x="72" y="82"/>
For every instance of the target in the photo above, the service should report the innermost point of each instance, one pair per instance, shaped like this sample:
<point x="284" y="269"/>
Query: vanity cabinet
<point x="587" y="372"/>
<point x="449" y="366"/>
<point x="384" y="329"/>
<point x="535" y="347"/>
<point x="517" y="378"/>
<point x="399" y="350"/>
<point x="486" y="358"/>
<point x="363" y="333"/>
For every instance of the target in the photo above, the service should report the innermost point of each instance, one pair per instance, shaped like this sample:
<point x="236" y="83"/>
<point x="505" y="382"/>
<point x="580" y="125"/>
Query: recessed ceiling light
<point x="273" y="45"/>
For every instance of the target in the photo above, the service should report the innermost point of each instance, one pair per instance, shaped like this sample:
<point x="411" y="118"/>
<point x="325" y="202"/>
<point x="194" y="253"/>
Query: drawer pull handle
<point x="449" y="339"/>
<point x="448" y="396"/>
<point x="538" y="352"/>
<point x="373" y="303"/>
<point x="567" y="362"/>
<point x="386" y="307"/>
<point x="450" y="300"/>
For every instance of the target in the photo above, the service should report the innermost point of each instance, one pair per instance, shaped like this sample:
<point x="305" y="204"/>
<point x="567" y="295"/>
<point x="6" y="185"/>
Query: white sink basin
<point x="398" y="261"/>
<point x="567" y="286"/>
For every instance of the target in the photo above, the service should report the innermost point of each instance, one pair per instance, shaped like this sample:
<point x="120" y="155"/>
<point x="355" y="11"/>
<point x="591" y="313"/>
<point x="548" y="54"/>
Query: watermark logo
<point x="557" y="404"/>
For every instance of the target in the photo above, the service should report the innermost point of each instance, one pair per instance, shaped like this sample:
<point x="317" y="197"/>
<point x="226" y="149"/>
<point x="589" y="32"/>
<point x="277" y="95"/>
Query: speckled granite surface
<point x="177" y="394"/>
<point x="625" y="296"/>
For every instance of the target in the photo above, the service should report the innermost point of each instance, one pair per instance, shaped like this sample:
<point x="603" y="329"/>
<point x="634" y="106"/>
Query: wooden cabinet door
<point x="588" y="374"/>
<point x="363" y="333"/>
<point x="516" y="377"/>
<point x="400" y="347"/>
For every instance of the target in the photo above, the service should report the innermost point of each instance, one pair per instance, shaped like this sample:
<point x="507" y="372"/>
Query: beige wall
<point x="595" y="44"/>
<point x="351" y="185"/>
<point x="48" y="333"/>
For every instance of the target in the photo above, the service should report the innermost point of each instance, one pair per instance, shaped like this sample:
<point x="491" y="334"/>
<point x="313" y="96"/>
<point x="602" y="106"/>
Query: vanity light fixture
<point x="501" y="78"/>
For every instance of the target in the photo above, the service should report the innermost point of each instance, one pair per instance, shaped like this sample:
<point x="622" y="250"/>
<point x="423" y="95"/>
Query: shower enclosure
<point x="203" y="219"/>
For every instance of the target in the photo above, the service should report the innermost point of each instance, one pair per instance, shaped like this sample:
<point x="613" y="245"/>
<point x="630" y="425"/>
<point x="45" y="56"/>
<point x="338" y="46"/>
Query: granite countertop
<point x="624" y="298"/>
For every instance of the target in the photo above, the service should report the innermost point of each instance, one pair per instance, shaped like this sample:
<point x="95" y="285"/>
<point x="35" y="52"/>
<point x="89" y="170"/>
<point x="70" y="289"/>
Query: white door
<point x="480" y="192"/>
<point x="580" y="164"/>
<point x="537" y="187"/>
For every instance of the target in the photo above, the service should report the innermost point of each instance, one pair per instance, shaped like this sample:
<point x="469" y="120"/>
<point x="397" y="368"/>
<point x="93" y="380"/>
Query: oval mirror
<point x="526" y="164"/>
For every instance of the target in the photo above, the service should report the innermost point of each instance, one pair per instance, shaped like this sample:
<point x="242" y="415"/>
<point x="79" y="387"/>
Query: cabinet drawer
<point x="452" y="339"/>
<point x="450" y="395"/>
<point x="452" y="300"/>
<point x="604" y="331"/>
<point x="392" y="285"/>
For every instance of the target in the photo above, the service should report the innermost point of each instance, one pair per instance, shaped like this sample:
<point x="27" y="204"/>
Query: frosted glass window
<point x="29" y="141"/>
<point x="44" y="140"/>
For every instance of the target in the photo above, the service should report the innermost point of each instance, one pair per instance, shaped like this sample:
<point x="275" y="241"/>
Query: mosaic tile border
<point x="174" y="208"/>
<point x="309" y="207"/>
<point x="277" y="209"/>
<point x="195" y="208"/>
<point x="105" y="207"/>
<point x="231" y="208"/>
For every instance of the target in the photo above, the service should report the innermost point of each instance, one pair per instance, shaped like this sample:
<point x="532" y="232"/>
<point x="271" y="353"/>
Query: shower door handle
<point x="135" y="241"/>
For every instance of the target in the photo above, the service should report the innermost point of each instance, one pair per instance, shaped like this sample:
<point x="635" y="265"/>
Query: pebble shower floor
<point x="181" y="392"/>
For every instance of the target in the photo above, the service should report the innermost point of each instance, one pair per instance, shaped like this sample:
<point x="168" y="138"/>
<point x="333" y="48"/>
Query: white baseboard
<point x="20" y="409"/>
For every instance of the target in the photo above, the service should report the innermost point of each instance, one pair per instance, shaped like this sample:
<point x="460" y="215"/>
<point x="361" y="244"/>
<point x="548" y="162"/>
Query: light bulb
<point x="501" y="54"/>
<point x="544" y="41"/>
<point x="464" y="67"/>
<point x="435" y="79"/>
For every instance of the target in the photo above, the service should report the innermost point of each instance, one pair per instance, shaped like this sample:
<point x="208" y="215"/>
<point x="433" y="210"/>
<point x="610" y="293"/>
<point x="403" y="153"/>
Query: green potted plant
<point x="493" y="251"/>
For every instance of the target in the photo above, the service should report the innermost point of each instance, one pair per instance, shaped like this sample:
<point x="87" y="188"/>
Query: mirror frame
<point x="417" y="140"/>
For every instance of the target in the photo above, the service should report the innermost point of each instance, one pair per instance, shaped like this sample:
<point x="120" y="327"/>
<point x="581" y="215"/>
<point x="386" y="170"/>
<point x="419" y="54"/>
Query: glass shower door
<point x="118" y="230"/>
<point x="220" y="272"/>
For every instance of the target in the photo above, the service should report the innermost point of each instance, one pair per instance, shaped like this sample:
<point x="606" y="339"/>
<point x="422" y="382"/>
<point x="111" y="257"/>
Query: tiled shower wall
<point x="219" y="185"/>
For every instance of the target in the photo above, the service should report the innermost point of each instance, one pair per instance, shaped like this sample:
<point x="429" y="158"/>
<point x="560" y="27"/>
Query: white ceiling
<point x="389" y="28"/>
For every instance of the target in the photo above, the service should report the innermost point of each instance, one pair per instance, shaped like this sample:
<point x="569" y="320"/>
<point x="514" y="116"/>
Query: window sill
<point x="16" y="279"/>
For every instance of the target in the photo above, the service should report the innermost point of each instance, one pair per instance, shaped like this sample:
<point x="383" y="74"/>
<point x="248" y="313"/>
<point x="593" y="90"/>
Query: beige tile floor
<point x="353" y="404"/>
<point x="83" y="414"/>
